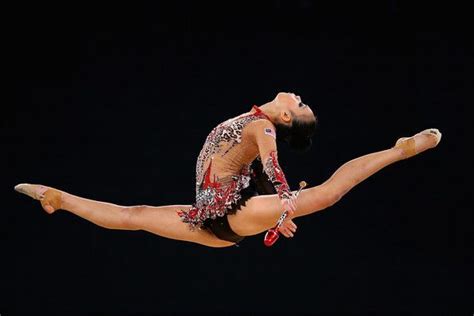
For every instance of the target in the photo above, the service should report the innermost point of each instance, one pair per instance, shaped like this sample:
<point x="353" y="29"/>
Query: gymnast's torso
<point x="223" y="168"/>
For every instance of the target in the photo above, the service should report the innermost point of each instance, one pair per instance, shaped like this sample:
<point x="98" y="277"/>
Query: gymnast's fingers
<point x="292" y="226"/>
<point x="286" y="232"/>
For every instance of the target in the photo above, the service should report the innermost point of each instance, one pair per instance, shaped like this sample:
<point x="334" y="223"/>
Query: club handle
<point x="272" y="234"/>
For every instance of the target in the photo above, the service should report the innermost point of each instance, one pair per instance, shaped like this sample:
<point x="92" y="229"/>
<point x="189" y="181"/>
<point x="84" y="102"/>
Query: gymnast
<point x="241" y="189"/>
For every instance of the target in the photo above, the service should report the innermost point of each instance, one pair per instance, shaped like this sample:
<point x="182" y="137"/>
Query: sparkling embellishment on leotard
<point x="214" y="198"/>
<point x="276" y="175"/>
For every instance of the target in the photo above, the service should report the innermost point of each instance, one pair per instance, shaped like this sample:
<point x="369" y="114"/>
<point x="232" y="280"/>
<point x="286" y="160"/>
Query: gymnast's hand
<point x="289" y="204"/>
<point x="288" y="228"/>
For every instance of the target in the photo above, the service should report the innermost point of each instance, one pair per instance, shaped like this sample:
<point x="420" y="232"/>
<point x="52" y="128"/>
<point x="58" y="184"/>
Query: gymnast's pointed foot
<point x="50" y="198"/>
<point x="424" y="140"/>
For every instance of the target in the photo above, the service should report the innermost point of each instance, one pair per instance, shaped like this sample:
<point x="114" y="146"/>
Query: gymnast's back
<point x="228" y="152"/>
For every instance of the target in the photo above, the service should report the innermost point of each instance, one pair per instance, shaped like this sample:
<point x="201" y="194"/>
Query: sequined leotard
<point x="223" y="169"/>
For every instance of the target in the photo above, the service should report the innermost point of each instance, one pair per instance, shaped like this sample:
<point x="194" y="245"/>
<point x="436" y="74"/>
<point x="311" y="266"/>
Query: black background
<point x="114" y="103"/>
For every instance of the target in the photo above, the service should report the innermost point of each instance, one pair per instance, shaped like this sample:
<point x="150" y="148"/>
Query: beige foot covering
<point x="50" y="198"/>
<point x="408" y="144"/>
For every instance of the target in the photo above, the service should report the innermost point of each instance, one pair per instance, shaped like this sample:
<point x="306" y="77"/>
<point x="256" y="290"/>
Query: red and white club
<point x="272" y="234"/>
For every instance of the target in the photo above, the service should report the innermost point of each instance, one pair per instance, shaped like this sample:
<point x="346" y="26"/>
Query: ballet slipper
<point x="50" y="198"/>
<point x="418" y="143"/>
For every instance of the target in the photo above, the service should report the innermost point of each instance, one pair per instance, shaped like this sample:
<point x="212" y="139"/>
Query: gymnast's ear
<point x="285" y="116"/>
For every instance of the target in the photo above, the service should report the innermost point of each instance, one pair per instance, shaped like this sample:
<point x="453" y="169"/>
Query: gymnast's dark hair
<point x="298" y="134"/>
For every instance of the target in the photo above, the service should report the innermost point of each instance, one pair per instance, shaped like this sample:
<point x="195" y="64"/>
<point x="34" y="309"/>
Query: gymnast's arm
<point x="264" y="135"/>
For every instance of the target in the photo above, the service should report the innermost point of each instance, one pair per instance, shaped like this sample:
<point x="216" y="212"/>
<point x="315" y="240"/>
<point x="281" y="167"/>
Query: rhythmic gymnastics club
<point x="272" y="234"/>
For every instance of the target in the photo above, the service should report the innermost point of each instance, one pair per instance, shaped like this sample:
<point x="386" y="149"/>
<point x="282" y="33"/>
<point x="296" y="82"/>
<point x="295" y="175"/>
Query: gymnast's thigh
<point x="164" y="221"/>
<point x="262" y="212"/>
<point x="259" y="214"/>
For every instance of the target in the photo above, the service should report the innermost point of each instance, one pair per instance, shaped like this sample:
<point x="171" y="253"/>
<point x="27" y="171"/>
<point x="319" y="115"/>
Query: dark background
<point x="114" y="103"/>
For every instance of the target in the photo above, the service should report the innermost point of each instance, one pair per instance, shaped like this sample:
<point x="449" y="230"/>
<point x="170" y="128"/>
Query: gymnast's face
<point x="297" y="121"/>
<point x="291" y="102"/>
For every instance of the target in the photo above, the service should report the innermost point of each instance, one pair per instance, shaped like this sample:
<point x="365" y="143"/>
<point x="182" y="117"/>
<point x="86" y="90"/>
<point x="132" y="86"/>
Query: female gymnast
<point x="241" y="190"/>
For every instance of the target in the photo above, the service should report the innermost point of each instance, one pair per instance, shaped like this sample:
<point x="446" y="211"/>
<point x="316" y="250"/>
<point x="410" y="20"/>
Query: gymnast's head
<point x="294" y="120"/>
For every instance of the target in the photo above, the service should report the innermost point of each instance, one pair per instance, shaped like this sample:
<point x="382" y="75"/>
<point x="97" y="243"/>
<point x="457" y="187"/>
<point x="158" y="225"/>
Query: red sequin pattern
<point x="276" y="175"/>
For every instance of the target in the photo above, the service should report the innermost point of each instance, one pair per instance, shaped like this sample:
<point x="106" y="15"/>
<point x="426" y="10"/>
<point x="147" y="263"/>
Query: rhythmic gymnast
<point x="241" y="189"/>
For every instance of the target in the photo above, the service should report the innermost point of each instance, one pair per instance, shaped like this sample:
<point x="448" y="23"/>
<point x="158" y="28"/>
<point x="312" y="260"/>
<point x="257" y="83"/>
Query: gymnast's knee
<point x="330" y="198"/>
<point x="130" y="216"/>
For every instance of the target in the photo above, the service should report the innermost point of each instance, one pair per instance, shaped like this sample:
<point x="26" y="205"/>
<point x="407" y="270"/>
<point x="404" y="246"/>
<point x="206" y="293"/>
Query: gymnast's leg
<point x="161" y="220"/>
<point x="262" y="212"/>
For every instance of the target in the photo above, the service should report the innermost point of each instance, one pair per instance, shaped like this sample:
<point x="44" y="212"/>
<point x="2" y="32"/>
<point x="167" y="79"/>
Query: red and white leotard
<point x="223" y="166"/>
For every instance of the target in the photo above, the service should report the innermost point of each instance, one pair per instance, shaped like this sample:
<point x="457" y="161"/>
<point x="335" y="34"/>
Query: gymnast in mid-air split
<point x="241" y="189"/>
